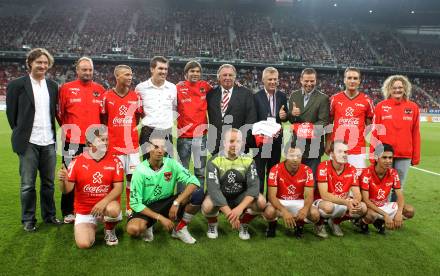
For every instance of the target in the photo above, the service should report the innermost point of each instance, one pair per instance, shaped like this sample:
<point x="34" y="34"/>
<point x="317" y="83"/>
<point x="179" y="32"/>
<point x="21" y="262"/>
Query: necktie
<point x="225" y="101"/>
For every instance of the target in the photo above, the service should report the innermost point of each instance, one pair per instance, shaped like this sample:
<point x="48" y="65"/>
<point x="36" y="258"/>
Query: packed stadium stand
<point x="236" y="35"/>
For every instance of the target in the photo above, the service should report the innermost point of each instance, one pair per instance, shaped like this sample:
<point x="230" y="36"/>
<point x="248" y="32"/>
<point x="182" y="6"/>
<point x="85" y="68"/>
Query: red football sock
<point x="127" y="199"/>
<point x="110" y="225"/>
<point x="181" y="224"/>
<point x="212" y="220"/>
<point x="246" y="218"/>
<point x="339" y="220"/>
<point x="300" y="223"/>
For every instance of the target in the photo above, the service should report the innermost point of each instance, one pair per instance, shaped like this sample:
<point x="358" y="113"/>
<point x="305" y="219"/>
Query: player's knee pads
<point x="324" y="214"/>
<point x="253" y="212"/>
<point x="338" y="211"/>
<point x="197" y="197"/>
<point x="113" y="219"/>
<point x="211" y="214"/>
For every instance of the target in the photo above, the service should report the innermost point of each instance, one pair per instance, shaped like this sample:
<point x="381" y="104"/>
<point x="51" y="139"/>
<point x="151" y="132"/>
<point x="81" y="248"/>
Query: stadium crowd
<point x="142" y="32"/>
<point x="289" y="80"/>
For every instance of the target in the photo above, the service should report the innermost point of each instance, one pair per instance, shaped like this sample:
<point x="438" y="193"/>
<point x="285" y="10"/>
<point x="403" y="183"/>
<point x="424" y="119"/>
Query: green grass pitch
<point x="414" y="250"/>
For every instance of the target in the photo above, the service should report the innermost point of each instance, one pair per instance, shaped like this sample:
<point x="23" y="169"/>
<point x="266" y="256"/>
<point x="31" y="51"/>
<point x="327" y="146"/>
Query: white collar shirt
<point x="41" y="134"/>
<point x="159" y="104"/>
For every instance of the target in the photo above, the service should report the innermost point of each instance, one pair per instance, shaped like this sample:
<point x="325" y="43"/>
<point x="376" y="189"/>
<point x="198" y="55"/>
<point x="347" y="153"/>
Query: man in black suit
<point x="309" y="108"/>
<point x="229" y="106"/>
<point x="30" y="108"/>
<point x="268" y="103"/>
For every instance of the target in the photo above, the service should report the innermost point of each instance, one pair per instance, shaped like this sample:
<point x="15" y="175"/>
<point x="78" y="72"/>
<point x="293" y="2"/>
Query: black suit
<point x="20" y="110"/>
<point x="316" y="112"/>
<point x="241" y="111"/>
<point x="262" y="107"/>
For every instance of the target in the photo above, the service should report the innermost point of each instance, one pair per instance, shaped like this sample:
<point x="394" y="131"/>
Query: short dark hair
<point x="190" y="65"/>
<point x="308" y="71"/>
<point x="36" y="53"/>
<point x="354" y="69"/>
<point x="157" y="59"/>
<point x="381" y="148"/>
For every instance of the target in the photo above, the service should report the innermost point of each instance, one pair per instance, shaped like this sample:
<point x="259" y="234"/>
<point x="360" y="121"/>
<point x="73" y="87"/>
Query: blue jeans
<point x="42" y="159"/>
<point x="402" y="166"/>
<point x="197" y="147"/>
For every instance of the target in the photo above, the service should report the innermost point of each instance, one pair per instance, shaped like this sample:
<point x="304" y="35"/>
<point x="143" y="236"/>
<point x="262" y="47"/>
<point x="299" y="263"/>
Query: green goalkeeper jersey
<point x="148" y="186"/>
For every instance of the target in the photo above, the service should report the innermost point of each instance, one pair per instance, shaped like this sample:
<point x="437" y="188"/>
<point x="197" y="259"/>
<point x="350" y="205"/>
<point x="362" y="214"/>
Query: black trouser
<point x="162" y="207"/>
<point x="70" y="150"/>
<point x="37" y="159"/>
<point x="144" y="139"/>
<point x="267" y="157"/>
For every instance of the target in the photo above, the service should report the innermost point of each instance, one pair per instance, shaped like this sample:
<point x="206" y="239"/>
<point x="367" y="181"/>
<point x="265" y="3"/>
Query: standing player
<point x="351" y="112"/>
<point x="159" y="99"/>
<point x="78" y="108"/>
<point x="96" y="177"/>
<point x="336" y="178"/>
<point x="233" y="187"/>
<point x="121" y="111"/>
<point x="290" y="193"/>
<point x="192" y="128"/>
<point x="152" y="194"/>
<point x="377" y="181"/>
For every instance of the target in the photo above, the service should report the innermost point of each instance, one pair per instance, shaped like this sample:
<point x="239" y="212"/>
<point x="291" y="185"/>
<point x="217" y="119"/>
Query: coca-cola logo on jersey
<point x="101" y="189"/>
<point x="349" y="121"/>
<point x="122" y="121"/>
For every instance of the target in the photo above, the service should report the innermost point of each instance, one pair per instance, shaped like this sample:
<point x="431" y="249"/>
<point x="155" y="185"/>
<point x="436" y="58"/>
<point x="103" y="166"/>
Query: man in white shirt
<point x="159" y="101"/>
<point x="30" y="108"/>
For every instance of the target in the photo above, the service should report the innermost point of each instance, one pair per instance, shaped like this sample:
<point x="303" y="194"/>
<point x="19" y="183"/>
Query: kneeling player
<point x="97" y="178"/>
<point x="152" y="196"/>
<point x="376" y="184"/>
<point x="233" y="188"/>
<point x="290" y="194"/>
<point x="335" y="180"/>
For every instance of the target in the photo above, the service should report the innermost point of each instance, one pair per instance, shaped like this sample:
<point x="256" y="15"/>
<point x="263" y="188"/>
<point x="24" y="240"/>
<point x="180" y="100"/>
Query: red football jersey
<point x="79" y="107"/>
<point x="290" y="187"/>
<point x="122" y="127"/>
<point x="379" y="189"/>
<point x="338" y="185"/>
<point x="93" y="179"/>
<point x="192" y="106"/>
<point x="349" y="119"/>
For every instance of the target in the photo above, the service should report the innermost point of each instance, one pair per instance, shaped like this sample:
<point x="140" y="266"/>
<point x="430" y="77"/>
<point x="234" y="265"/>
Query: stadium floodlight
<point x="413" y="12"/>
<point x="371" y="11"/>
<point x="335" y="4"/>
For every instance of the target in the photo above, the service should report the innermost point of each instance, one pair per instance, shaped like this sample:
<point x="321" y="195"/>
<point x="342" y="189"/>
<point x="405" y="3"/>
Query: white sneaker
<point x="212" y="230"/>
<point x="243" y="233"/>
<point x="110" y="237"/>
<point x="70" y="218"/>
<point x="148" y="234"/>
<point x="183" y="235"/>
<point x="336" y="229"/>
<point x="320" y="231"/>
<point x="128" y="213"/>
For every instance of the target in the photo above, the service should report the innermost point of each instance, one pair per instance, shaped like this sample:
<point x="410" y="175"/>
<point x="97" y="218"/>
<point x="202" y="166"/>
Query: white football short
<point x="129" y="162"/>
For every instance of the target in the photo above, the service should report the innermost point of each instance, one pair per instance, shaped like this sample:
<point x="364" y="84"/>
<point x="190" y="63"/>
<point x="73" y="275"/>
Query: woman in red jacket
<point x="397" y="122"/>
